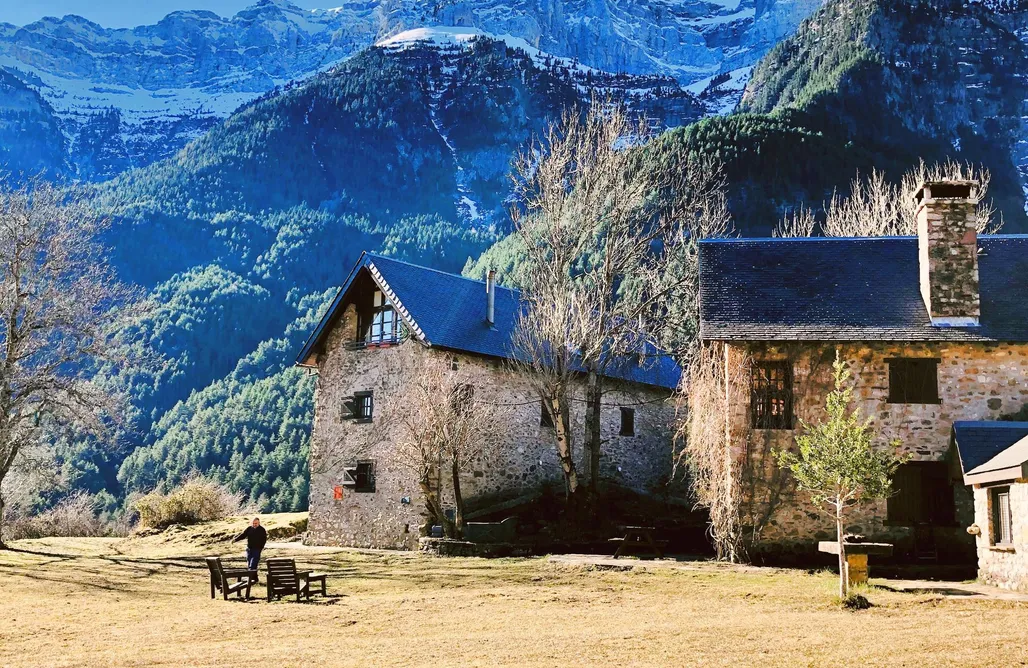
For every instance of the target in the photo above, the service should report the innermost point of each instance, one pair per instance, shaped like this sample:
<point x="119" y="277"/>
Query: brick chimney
<point x="947" y="242"/>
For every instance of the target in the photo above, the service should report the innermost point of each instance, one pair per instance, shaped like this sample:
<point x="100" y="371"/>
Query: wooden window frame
<point x="388" y="332"/>
<point x="996" y="537"/>
<point x="771" y="395"/>
<point x="627" y="425"/>
<point x="901" y="389"/>
<point x="364" y="407"/>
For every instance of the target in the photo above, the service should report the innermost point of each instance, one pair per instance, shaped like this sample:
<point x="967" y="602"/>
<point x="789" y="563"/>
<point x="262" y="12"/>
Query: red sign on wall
<point x="337" y="493"/>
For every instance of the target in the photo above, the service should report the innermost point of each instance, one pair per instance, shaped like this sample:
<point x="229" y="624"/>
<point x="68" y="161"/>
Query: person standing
<point x="256" y="537"/>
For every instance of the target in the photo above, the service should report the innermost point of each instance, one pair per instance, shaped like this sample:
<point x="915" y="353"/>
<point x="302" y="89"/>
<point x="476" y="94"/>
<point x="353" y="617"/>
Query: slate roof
<point x="448" y="311"/>
<point x="979" y="442"/>
<point x="843" y="289"/>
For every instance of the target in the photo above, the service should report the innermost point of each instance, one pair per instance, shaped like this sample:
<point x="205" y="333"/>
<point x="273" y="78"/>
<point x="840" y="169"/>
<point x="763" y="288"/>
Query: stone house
<point x="386" y="310"/>
<point x="994" y="458"/>
<point x="934" y="329"/>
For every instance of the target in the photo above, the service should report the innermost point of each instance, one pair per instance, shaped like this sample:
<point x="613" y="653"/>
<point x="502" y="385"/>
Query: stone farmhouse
<point x="360" y="496"/>
<point x="935" y="331"/>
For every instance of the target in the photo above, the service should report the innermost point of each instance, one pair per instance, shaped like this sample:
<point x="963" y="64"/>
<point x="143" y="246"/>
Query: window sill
<point x="1009" y="549"/>
<point x="364" y="421"/>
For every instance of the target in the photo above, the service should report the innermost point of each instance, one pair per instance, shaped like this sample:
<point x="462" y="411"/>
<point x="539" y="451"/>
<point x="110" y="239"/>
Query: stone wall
<point x="976" y="382"/>
<point x="522" y="455"/>
<point x="1002" y="565"/>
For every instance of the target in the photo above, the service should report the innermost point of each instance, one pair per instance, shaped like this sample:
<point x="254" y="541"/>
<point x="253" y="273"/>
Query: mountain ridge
<point x="128" y="97"/>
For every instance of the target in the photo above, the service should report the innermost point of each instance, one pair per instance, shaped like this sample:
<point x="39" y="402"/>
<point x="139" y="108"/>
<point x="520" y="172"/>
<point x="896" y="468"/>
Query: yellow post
<point x="856" y="569"/>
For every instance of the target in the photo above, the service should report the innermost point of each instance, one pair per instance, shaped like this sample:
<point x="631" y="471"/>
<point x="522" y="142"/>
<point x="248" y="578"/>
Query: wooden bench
<point x="284" y="579"/>
<point x="221" y="579"/>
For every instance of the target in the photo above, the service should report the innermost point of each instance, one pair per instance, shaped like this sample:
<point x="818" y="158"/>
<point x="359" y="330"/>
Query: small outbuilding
<point x="994" y="462"/>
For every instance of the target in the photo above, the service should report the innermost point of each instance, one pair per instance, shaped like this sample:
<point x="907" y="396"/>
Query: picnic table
<point x="856" y="557"/>
<point x="637" y="537"/>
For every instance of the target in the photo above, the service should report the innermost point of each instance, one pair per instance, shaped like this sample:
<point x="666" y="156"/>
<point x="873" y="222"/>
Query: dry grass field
<point x="145" y="602"/>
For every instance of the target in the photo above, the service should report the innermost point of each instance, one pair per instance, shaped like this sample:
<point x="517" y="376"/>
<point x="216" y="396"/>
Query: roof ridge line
<point x="438" y="271"/>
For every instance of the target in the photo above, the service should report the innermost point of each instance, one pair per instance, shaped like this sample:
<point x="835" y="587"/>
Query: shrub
<point x="74" y="516"/>
<point x="196" y="500"/>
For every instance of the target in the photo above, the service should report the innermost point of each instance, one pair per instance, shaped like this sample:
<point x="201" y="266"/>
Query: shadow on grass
<point x="123" y="573"/>
<point x="941" y="590"/>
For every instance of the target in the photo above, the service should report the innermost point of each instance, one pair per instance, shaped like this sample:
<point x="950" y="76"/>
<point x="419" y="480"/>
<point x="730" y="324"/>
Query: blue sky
<point x="123" y="13"/>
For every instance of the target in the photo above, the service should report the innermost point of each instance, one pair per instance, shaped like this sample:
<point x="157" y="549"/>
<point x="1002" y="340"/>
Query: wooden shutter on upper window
<point x="913" y="381"/>
<point x="349" y="409"/>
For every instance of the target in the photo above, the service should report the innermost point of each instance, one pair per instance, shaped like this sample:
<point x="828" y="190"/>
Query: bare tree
<point x="714" y="474"/>
<point x="445" y="427"/>
<point x="611" y="243"/>
<point x="877" y="208"/>
<point x="60" y="309"/>
<point x="799" y="222"/>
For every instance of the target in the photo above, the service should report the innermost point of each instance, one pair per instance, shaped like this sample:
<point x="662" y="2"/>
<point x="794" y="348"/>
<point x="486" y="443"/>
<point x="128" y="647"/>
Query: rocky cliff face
<point x="129" y="97"/>
<point x="30" y="135"/>
<point x="939" y="79"/>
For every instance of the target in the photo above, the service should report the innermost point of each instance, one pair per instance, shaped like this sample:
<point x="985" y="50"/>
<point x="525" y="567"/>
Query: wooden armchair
<point x="283" y="579"/>
<point x="221" y="579"/>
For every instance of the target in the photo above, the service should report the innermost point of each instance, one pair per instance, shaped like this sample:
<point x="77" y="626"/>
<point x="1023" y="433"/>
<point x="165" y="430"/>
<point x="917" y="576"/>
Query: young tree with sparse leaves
<point x="60" y="310"/>
<point x="836" y="461"/>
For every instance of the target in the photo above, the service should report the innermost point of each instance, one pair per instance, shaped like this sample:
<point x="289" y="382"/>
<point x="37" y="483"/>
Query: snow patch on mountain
<point x="142" y="93"/>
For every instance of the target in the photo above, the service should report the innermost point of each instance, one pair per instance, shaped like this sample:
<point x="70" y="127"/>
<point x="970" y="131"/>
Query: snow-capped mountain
<point x="128" y="97"/>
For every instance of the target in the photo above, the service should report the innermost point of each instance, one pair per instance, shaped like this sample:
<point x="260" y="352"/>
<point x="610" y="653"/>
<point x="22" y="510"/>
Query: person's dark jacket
<point x="255" y="537"/>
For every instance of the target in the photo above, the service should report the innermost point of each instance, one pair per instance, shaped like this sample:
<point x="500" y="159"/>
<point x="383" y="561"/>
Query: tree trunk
<point x="843" y="580"/>
<point x="593" y="398"/>
<point x="435" y="507"/>
<point x="3" y="546"/>
<point x="562" y="429"/>
<point x="458" y="502"/>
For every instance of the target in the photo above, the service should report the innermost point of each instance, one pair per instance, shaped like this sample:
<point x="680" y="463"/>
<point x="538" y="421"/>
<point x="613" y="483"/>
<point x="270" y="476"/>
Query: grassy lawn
<point x="144" y="601"/>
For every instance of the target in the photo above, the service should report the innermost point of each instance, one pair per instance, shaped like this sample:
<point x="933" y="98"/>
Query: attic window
<point x="914" y="381"/>
<point x="771" y="395"/>
<point x="382" y="325"/>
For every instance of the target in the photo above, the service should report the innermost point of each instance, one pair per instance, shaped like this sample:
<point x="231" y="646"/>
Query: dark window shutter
<point x="913" y="381"/>
<point x="349" y="411"/>
<point x="544" y="417"/>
